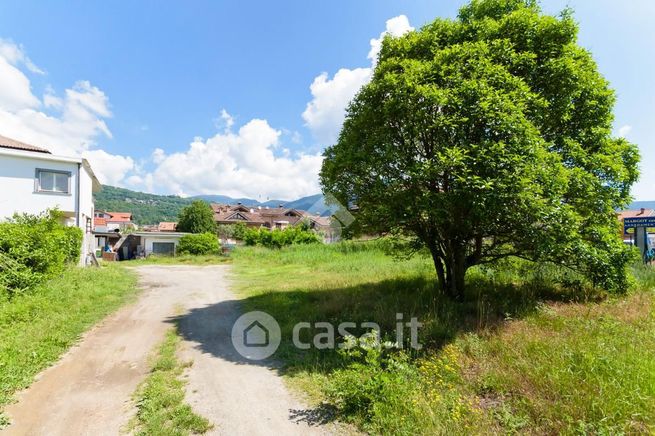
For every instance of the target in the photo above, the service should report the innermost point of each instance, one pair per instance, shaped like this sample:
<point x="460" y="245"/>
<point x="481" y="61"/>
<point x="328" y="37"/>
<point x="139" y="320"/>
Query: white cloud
<point x="624" y="131"/>
<point x="15" y="55"/>
<point x="326" y="111"/>
<point x="224" y="121"/>
<point x="396" y="26"/>
<point x="110" y="169"/>
<point x="158" y="155"/>
<point x="66" y="125"/>
<point x="238" y="164"/>
<point x="324" y="115"/>
<point x="15" y="91"/>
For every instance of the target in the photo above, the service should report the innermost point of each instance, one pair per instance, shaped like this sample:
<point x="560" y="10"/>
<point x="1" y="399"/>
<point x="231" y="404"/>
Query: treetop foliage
<point x="198" y="217"/>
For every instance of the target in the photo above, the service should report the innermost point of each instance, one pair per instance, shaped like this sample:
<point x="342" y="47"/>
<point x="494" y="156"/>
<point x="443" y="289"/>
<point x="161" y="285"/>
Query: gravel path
<point x="88" y="391"/>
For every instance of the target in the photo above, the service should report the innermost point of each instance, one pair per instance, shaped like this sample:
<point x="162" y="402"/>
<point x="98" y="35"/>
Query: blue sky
<point x="140" y="88"/>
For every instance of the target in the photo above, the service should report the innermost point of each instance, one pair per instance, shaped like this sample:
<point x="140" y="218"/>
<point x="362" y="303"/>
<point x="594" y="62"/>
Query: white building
<point x="142" y="244"/>
<point x="33" y="180"/>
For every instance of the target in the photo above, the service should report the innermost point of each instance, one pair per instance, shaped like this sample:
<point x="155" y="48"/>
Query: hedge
<point x="198" y="243"/>
<point x="280" y="238"/>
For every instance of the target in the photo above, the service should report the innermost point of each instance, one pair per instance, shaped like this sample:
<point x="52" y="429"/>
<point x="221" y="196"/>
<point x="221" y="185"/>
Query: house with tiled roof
<point x="112" y="221"/>
<point x="257" y="216"/>
<point x="34" y="180"/>
<point x="271" y="218"/>
<point x="636" y="213"/>
<point x="167" y="226"/>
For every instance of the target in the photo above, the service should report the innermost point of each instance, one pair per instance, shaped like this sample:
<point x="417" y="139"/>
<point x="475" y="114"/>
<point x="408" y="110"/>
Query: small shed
<point x="143" y="244"/>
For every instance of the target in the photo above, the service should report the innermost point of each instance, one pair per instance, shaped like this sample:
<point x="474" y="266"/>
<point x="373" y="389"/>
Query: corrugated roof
<point x="17" y="145"/>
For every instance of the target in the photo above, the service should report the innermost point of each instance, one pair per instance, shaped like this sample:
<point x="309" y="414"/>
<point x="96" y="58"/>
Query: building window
<point x="163" y="248"/>
<point x="57" y="182"/>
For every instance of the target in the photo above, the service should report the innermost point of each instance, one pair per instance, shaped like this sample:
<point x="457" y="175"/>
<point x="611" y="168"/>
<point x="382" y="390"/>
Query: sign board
<point x="646" y="221"/>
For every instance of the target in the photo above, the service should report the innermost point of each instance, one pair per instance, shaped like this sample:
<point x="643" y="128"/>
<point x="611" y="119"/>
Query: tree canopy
<point x="198" y="217"/>
<point x="488" y="136"/>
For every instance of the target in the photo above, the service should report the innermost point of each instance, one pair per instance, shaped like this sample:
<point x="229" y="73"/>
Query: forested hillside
<point x="153" y="208"/>
<point x="146" y="208"/>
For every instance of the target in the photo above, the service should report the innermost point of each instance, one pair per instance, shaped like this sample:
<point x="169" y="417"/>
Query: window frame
<point x="167" y="243"/>
<point x="37" y="181"/>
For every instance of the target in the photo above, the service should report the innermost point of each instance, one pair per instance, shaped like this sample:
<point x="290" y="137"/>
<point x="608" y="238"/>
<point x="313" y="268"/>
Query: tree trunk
<point x="438" y="266"/>
<point x="450" y="272"/>
<point x="456" y="271"/>
<point x="455" y="287"/>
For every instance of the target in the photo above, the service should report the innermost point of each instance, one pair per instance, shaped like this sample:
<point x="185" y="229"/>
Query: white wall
<point x="17" y="176"/>
<point x="18" y="193"/>
<point x="148" y="240"/>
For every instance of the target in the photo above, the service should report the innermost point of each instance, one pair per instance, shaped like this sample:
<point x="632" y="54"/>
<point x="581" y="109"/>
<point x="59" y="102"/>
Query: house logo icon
<point x="256" y="335"/>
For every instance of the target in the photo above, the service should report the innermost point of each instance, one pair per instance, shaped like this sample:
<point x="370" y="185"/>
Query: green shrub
<point x="280" y="238"/>
<point x="34" y="248"/>
<point x="199" y="243"/>
<point x="232" y="231"/>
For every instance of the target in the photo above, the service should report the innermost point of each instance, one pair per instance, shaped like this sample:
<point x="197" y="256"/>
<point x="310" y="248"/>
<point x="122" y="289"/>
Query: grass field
<point x="38" y="327"/>
<point x="531" y="349"/>
<point x="183" y="259"/>
<point x="161" y="409"/>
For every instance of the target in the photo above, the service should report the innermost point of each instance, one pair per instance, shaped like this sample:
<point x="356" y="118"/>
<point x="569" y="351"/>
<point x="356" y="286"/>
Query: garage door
<point x="163" y="247"/>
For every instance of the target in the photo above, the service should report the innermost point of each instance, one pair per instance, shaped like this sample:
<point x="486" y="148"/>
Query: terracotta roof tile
<point x="258" y="215"/>
<point x="167" y="226"/>
<point x="17" y="145"/>
<point x="635" y="213"/>
<point x="122" y="217"/>
<point x="99" y="222"/>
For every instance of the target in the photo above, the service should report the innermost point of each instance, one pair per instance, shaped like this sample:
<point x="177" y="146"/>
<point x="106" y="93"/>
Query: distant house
<point x="161" y="239"/>
<point x="272" y="218"/>
<point x="269" y="217"/>
<point x="167" y="227"/>
<point x="143" y="244"/>
<point x="112" y="221"/>
<point x="108" y="226"/>
<point x="34" y="180"/>
<point x="622" y="215"/>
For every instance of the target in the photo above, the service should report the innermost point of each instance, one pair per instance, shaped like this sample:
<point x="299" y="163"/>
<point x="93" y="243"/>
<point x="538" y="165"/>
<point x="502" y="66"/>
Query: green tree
<point x="489" y="136"/>
<point x="198" y="217"/>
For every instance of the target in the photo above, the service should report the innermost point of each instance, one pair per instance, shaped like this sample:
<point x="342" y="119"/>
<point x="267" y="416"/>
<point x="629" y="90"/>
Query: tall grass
<point x="531" y="348"/>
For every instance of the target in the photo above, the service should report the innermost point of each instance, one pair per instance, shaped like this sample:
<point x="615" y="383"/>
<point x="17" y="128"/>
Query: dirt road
<point x="88" y="392"/>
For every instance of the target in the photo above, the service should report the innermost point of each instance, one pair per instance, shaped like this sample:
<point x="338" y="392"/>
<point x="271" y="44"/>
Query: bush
<point x="232" y="231"/>
<point x="280" y="238"/>
<point x="199" y="243"/>
<point x="34" y="248"/>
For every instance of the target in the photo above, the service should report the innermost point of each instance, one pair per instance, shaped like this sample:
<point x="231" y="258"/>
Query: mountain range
<point x="152" y="208"/>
